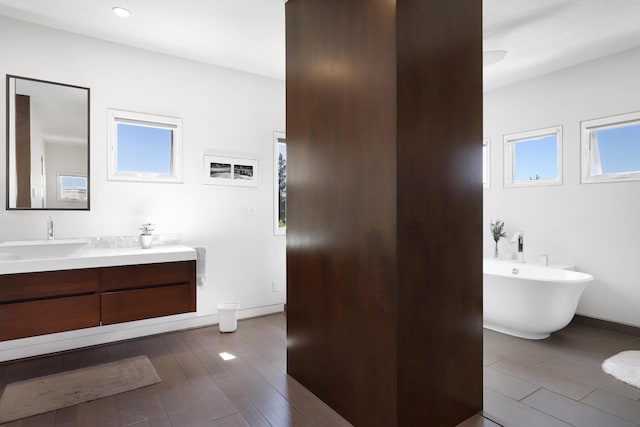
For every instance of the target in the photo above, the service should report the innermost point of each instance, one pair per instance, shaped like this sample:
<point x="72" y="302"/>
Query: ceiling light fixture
<point x="492" y="56"/>
<point x="121" y="12"/>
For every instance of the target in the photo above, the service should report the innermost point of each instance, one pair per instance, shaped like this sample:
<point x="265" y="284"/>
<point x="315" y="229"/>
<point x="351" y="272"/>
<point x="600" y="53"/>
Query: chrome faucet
<point x="49" y="229"/>
<point x="519" y="239"/>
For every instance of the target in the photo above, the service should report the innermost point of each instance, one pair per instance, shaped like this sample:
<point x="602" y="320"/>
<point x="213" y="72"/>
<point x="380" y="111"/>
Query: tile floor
<point x="558" y="381"/>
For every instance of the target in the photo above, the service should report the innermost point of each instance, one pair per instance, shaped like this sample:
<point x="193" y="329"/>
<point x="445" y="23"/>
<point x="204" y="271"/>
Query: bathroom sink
<point x="43" y="248"/>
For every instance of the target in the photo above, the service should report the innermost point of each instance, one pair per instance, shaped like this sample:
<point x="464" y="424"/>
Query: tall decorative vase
<point x="495" y="252"/>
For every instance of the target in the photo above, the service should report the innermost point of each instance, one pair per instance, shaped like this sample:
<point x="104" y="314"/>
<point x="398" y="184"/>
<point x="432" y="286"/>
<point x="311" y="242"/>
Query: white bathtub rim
<point x="527" y="272"/>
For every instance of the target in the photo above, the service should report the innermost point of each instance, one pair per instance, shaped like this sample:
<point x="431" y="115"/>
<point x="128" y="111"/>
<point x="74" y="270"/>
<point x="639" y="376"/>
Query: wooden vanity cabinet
<point x="47" y="302"/>
<point x="135" y="292"/>
<point x="56" y="301"/>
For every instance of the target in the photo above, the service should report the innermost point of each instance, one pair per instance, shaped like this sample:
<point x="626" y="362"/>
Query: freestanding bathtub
<point x="529" y="301"/>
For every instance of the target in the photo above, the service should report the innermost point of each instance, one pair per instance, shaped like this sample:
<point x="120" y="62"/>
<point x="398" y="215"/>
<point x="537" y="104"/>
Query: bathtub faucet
<point x="519" y="239"/>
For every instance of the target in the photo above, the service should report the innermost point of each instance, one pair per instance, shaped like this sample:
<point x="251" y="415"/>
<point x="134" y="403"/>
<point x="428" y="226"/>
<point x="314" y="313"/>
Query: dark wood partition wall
<point x="384" y="132"/>
<point x="439" y="208"/>
<point x="341" y="302"/>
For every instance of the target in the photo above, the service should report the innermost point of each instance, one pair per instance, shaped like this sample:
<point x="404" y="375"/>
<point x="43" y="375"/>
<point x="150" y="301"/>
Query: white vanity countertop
<point x="91" y="258"/>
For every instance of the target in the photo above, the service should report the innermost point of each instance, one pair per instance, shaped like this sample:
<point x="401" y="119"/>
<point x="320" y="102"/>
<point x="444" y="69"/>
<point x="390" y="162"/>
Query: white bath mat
<point x="624" y="366"/>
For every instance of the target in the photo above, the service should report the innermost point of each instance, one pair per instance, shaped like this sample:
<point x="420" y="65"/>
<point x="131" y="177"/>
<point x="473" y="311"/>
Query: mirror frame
<point x="8" y="122"/>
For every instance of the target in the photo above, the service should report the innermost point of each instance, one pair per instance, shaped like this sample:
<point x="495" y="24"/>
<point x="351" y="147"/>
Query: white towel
<point x="201" y="265"/>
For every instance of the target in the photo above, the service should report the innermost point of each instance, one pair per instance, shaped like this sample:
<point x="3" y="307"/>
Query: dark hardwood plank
<point x="48" y="419"/>
<point x="154" y="407"/>
<point x="130" y="408"/>
<point x="199" y="387"/>
<point x="66" y="417"/>
<point x="87" y="414"/>
<point x="234" y="420"/>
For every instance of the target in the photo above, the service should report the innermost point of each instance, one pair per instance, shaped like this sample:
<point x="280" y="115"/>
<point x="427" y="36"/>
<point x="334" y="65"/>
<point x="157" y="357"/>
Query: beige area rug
<point x="36" y="396"/>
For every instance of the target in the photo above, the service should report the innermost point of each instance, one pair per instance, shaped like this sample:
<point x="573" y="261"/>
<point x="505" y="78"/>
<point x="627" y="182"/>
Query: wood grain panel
<point x="144" y="275"/>
<point x="15" y="287"/>
<point x="439" y="208"/>
<point x="439" y="65"/>
<point x="32" y="318"/>
<point x="124" y="306"/>
<point x="341" y="295"/>
<point x="23" y="151"/>
<point x="384" y="207"/>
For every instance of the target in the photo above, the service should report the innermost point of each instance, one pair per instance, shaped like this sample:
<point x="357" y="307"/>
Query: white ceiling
<point x="540" y="36"/>
<point x="246" y="35"/>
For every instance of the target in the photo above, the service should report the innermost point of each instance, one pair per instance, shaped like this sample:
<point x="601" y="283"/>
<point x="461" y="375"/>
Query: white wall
<point x="222" y="109"/>
<point x="595" y="227"/>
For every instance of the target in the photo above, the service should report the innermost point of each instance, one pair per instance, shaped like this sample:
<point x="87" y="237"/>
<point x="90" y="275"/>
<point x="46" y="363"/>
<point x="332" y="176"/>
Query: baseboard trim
<point x="608" y="325"/>
<point x="64" y="341"/>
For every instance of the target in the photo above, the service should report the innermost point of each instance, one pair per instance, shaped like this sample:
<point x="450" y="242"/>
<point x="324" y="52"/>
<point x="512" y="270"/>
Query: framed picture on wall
<point x="226" y="170"/>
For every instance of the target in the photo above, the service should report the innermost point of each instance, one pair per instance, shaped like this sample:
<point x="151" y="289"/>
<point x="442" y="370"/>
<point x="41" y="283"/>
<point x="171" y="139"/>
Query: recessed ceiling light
<point x="121" y="12"/>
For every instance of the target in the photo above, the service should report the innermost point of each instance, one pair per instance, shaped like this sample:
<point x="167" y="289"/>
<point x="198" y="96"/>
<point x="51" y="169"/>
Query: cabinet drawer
<point x="26" y="319"/>
<point x="125" y="306"/>
<point x="23" y="286"/>
<point x="146" y="275"/>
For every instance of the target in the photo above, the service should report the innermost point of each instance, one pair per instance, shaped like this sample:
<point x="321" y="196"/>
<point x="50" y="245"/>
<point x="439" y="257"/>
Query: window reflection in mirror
<point x="47" y="135"/>
<point x="72" y="186"/>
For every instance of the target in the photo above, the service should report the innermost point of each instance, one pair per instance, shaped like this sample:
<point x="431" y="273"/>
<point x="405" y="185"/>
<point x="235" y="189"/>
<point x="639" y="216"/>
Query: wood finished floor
<point x="198" y="388"/>
<point x="553" y="382"/>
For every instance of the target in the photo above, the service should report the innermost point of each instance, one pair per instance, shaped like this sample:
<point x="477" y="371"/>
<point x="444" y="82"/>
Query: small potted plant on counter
<point x="145" y="237"/>
<point x="497" y="231"/>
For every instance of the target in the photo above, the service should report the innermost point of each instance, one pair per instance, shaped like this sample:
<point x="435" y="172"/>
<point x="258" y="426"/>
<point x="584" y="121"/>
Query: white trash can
<point x="228" y="316"/>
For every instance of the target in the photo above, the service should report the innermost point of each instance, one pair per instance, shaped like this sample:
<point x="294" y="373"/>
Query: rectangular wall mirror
<point x="47" y="145"/>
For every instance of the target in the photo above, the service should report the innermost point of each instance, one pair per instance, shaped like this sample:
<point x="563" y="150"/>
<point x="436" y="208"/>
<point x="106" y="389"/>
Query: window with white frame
<point x="486" y="163"/>
<point x="611" y="149"/>
<point x="144" y="147"/>
<point x="280" y="183"/>
<point x="71" y="187"/>
<point x="533" y="158"/>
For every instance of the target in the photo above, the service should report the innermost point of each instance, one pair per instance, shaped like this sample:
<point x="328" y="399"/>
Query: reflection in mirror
<point x="47" y="145"/>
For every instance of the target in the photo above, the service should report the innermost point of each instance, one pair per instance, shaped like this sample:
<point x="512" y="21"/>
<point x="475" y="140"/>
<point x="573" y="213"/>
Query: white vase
<point x="145" y="241"/>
